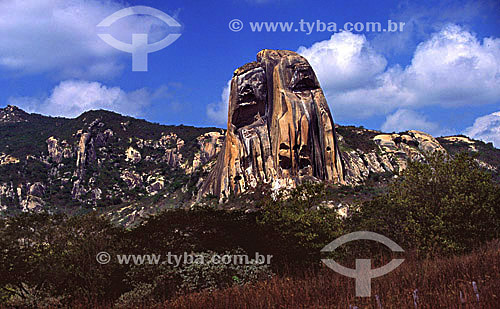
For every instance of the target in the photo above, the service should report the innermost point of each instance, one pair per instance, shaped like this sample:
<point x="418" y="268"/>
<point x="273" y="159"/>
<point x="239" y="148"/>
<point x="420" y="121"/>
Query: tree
<point x="442" y="205"/>
<point x="303" y="227"/>
<point x="45" y="255"/>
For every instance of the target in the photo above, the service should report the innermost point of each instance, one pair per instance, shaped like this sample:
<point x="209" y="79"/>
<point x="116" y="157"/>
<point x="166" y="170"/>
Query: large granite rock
<point x="280" y="130"/>
<point x="58" y="150"/>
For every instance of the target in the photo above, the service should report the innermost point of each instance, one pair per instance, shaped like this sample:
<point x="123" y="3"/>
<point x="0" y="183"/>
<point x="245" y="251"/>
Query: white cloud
<point x="218" y="111"/>
<point x="405" y="119"/>
<point x="486" y="128"/>
<point x="60" y="36"/>
<point x="71" y="98"/>
<point x="345" y="61"/>
<point x="452" y="68"/>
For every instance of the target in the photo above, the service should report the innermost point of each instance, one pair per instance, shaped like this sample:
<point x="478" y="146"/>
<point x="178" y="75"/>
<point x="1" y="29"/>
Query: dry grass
<point x="440" y="282"/>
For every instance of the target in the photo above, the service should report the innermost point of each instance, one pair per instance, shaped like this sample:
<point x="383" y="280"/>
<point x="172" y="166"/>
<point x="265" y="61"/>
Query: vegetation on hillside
<point x="443" y="207"/>
<point x="27" y="141"/>
<point x="466" y="281"/>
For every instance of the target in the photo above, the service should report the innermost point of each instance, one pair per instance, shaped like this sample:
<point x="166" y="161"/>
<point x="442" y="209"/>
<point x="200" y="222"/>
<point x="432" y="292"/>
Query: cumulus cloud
<point x="405" y="119"/>
<point x="345" y="61"/>
<point x="73" y="97"/>
<point x="486" y="128"/>
<point x="60" y="36"/>
<point x="452" y="68"/>
<point x="217" y="112"/>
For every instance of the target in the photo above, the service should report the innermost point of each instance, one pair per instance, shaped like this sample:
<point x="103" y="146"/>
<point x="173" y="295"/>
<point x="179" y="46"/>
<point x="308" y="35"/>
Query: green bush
<point x="446" y="205"/>
<point x="210" y="275"/>
<point x="54" y="255"/>
<point x="303" y="227"/>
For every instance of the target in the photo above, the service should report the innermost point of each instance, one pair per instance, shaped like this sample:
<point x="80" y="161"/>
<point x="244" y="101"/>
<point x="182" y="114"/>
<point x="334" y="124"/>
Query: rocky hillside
<point x="99" y="160"/>
<point x="280" y="133"/>
<point x="369" y="153"/>
<point x="130" y="168"/>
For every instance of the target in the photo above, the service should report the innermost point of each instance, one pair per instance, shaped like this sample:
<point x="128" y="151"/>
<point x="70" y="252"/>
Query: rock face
<point x="390" y="154"/>
<point x="130" y="169"/>
<point x="58" y="150"/>
<point x="133" y="155"/>
<point x="280" y="129"/>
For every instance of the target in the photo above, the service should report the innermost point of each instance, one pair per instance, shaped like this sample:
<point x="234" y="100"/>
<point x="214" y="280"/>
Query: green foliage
<point x="154" y="283"/>
<point x="140" y="296"/>
<point x="52" y="258"/>
<point x="303" y="228"/>
<point x="28" y="138"/>
<point x="356" y="138"/>
<point x="52" y="254"/>
<point x="210" y="275"/>
<point x="442" y="206"/>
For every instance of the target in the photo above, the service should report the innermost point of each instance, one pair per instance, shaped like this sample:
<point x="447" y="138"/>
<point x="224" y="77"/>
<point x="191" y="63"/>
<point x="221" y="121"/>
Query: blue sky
<point x="441" y="74"/>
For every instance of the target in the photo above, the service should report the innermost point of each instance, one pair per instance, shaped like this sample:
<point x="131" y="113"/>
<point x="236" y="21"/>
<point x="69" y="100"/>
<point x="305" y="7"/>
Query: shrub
<point x="444" y="205"/>
<point x="55" y="255"/>
<point x="210" y="275"/>
<point x="303" y="227"/>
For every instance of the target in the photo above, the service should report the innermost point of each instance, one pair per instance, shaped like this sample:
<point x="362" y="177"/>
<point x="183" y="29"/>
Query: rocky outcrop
<point x="78" y="190"/>
<point x="276" y="126"/>
<point x="131" y="178"/>
<point x="13" y="114"/>
<point x="27" y="197"/>
<point x="133" y="155"/>
<point x="210" y="145"/>
<point x="58" y="150"/>
<point x="32" y="203"/>
<point x="391" y="155"/>
<point x="280" y="130"/>
<point x="90" y="140"/>
<point x="171" y="146"/>
<point x="85" y="151"/>
<point x="37" y="189"/>
<point x="156" y="184"/>
<point x="462" y="140"/>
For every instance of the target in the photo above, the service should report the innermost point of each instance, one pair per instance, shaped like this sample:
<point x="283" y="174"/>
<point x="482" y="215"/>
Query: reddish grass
<point x="439" y="283"/>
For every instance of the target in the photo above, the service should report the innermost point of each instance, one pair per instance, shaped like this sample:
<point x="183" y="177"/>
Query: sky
<point x="441" y="74"/>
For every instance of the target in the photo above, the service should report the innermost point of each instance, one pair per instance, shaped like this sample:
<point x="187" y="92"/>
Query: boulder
<point x="280" y="130"/>
<point x="133" y="155"/>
